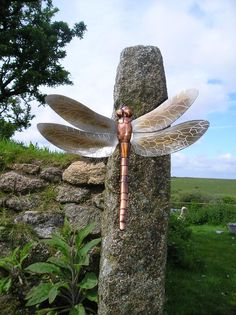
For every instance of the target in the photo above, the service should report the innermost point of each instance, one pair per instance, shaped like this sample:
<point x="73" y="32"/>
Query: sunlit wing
<point x="165" y="114"/>
<point x="79" y="142"/>
<point x="169" y="140"/>
<point x="80" y="115"/>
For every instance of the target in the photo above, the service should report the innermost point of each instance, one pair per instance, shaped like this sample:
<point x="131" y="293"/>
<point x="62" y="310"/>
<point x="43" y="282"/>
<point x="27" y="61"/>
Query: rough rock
<point x="81" y="172"/>
<point x="98" y="201"/>
<point x="81" y="215"/>
<point x="13" y="182"/>
<point x="20" y="203"/>
<point x="44" y="223"/>
<point x="72" y="194"/>
<point x="4" y="249"/>
<point x="26" y="168"/>
<point x="51" y="174"/>
<point x="132" y="267"/>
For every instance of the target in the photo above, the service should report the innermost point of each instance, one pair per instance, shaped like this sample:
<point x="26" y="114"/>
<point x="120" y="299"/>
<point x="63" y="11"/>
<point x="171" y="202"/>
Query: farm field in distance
<point x="210" y="186"/>
<point x="201" y="270"/>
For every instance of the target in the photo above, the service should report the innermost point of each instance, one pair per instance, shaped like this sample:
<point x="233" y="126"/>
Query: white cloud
<point x="222" y="166"/>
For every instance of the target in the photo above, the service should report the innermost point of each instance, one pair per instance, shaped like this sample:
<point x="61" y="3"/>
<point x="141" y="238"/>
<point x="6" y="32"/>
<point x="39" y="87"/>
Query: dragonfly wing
<point x="80" y="115"/>
<point x="165" y="114"/>
<point x="78" y="141"/>
<point x="169" y="140"/>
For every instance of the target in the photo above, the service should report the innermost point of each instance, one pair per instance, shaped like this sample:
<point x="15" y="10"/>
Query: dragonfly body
<point x="149" y="135"/>
<point x="124" y="133"/>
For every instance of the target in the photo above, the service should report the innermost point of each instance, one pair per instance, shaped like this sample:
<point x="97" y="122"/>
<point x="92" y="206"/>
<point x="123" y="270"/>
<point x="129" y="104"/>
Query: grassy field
<point x="218" y="187"/>
<point x="211" y="288"/>
<point x="14" y="152"/>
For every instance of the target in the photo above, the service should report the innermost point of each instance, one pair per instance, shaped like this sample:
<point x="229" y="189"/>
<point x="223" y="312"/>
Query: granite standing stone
<point x="132" y="266"/>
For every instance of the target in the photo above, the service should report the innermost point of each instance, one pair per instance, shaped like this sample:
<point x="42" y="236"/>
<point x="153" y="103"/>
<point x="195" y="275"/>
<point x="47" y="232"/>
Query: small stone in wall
<point x="85" y="173"/>
<point x="98" y="201"/>
<point x="13" y="182"/>
<point x="26" y="168"/>
<point x="20" y="203"/>
<point x="68" y="194"/>
<point x="51" y="174"/>
<point x="44" y="223"/>
<point x="80" y="216"/>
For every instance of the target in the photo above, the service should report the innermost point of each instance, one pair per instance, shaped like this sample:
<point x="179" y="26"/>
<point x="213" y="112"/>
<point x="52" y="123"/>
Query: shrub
<point x="180" y="248"/>
<point x="61" y="284"/>
<point x="215" y="214"/>
<point x="14" y="278"/>
<point x="65" y="285"/>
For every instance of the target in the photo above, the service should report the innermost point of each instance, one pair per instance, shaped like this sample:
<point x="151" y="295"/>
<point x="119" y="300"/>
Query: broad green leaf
<point x="5" y="284"/>
<point x="43" y="267"/>
<point x="89" y="281"/>
<point x="5" y="265"/>
<point x="58" y="243"/>
<point x="47" y="311"/>
<point x="92" y="295"/>
<point x="82" y="260"/>
<point x="60" y="262"/>
<point x="66" y="229"/>
<point x="24" y="253"/>
<point x="77" y="267"/>
<point x="55" y="290"/>
<point x="53" y="294"/>
<point x="15" y="253"/>
<point x="38" y="294"/>
<point x="78" y="310"/>
<point x="87" y="247"/>
<point x="84" y="233"/>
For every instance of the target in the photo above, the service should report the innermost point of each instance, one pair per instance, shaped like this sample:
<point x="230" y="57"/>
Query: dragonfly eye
<point x="119" y="113"/>
<point x="127" y="111"/>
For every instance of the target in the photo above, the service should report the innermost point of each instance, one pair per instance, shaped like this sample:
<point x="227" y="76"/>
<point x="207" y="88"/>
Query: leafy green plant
<point x="215" y="214"/>
<point x="65" y="285"/>
<point x="180" y="247"/>
<point x="13" y="273"/>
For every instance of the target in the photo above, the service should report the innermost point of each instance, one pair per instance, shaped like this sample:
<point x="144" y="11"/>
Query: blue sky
<point x="198" y="44"/>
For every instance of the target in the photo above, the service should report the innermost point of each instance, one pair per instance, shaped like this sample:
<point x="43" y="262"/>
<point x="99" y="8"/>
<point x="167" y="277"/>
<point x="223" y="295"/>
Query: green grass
<point x="219" y="187"/>
<point x="211" y="288"/>
<point x="14" y="152"/>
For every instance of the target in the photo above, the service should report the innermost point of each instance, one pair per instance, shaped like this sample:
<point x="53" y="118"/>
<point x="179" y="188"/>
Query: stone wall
<point x="42" y="196"/>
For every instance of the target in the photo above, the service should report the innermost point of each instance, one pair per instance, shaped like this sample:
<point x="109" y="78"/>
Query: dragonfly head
<point x="124" y="111"/>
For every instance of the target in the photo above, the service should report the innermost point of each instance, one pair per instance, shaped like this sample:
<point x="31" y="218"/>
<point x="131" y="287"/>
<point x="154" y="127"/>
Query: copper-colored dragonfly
<point x="149" y="135"/>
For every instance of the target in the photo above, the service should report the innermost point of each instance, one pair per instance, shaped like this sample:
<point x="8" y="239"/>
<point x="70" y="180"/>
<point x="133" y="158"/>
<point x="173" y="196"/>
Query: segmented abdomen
<point x="124" y="183"/>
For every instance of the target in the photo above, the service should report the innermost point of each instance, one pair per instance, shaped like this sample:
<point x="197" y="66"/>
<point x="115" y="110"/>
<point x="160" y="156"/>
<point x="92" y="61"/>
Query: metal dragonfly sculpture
<point x="149" y="135"/>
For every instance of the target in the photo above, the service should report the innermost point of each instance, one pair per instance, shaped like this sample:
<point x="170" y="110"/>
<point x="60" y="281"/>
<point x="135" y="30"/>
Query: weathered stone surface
<point x="68" y="194"/>
<point x="13" y="182"/>
<point x="26" y="168"/>
<point x="98" y="201"/>
<point x="80" y="216"/>
<point x="2" y="202"/>
<point x="4" y="250"/>
<point x="51" y="174"/>
<point x="132" y="266"/>
<point x="44" y="223"/>
<point x="20" y="203"/>
<point x="85" y="173"/>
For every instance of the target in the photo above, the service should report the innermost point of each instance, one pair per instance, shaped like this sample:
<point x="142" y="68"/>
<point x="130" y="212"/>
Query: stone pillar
<point x="132" y="268"/>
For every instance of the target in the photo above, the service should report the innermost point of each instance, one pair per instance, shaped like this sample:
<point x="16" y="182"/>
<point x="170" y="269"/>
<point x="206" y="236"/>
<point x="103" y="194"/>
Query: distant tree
<point x="32" y="45"/>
